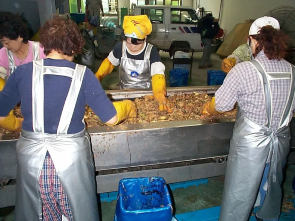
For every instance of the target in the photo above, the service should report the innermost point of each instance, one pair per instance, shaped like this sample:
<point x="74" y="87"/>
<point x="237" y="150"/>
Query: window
<point x="140" y="2"/>
<point x="187" y="16"/>
<point x="159" y="2"/>
<point x="155" y="15"/>
<point x="113" y="6"/>
<point x="167" y="2"/>
<point x="175" y="2"/>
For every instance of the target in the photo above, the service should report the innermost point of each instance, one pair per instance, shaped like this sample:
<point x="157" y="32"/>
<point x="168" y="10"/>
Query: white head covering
<point x="261" y="22"/>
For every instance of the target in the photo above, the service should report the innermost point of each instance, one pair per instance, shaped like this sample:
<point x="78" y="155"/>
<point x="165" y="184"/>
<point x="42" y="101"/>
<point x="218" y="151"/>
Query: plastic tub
<point x="178" y="77"/>
<point x="144" y="199"/>
<point x="215" y="77"/>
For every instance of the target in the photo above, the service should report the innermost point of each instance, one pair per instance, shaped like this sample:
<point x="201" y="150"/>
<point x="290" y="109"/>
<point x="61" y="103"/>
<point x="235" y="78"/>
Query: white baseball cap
<point x="261" y="22"/>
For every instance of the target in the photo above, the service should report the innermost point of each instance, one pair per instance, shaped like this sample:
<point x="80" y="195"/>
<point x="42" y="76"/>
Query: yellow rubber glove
<point x="159" y="91"/>
<point x="228" y="64"/>
<point x="11" y="122"/>
<point x="2" y="83"/>
<point x="105" y="68"/>
<point x="125" y="109"/>
<point x="209" y="108"/>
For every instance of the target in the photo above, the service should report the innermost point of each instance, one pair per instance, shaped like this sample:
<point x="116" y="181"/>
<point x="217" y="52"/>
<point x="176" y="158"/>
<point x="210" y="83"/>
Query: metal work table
<point x="176" y="150"/>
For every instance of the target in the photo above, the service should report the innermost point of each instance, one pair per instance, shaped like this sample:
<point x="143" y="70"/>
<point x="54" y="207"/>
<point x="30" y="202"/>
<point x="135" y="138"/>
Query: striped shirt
<point x="243" y="85"/>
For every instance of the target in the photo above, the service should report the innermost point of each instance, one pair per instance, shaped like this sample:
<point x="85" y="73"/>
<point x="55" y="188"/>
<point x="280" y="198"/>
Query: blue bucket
<point x="144" y="199"/>
<point x="215" y="77"/>
<point x="178" y="77"/>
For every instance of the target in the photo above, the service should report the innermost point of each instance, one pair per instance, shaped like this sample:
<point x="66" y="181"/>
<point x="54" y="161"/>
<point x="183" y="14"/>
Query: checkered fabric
<point x="243" y="85"/>
<point x="54" y="200"/>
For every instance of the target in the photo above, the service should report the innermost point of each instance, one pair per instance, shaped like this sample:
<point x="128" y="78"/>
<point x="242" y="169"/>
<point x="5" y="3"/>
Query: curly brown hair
<point x="272" y="41"/>
<point x="62" y="35"/>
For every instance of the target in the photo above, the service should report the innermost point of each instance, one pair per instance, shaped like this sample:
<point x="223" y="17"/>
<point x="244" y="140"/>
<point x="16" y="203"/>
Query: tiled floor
<point x="199" y="202"/>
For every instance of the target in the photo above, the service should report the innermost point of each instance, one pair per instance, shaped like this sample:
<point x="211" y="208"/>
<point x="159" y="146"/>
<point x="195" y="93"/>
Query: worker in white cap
<point x="263" y="89"/>
<point x="140" y="62"/>
<point x="240" y="54"/>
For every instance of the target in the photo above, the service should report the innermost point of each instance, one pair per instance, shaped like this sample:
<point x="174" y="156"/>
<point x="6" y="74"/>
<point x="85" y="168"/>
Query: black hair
<point x="12" y="27"/>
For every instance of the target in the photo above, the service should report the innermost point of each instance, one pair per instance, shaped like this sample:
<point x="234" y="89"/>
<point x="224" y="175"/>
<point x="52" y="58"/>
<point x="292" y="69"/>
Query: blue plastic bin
<point x="143" y="199"/>
<point x="215" y="77"/>
<point x="178" y="77"/>
<point x="78" y="17"/>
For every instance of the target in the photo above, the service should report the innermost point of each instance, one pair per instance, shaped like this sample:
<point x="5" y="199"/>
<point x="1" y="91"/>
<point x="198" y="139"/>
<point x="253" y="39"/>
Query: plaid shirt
<point x="243" y="85"/>
<point x="54" y="200"/>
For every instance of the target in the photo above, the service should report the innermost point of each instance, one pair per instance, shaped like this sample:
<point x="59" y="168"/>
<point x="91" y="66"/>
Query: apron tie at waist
<point x="45" y="136"/>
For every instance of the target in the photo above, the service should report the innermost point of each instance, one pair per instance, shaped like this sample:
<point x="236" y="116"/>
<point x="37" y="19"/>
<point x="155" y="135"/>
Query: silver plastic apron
<point x="12" y="66"/>
<point x="70" y="153"/>
<point x="250" y="148"/>
<point x="135" y="74"/>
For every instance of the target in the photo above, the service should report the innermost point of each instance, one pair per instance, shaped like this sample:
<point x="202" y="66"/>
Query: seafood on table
<point x="183" y="106"/>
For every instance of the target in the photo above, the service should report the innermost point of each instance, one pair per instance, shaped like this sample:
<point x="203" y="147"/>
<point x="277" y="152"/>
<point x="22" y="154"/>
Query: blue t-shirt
<point x="19" y="89"/>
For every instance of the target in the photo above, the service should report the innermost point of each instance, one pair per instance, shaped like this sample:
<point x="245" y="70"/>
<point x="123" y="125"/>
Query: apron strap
<point x="38" y="97"/>
<point x="285" y="117"/>
<point x="270" y="208"/>
<point x="39" y="71"/>
<point x="12" y="66"/>
<point x="275" y="76"/>
<point x="70" y="103"/>
<point x="266" y="89"/>
<point x="36" y="51"/>
<point x="124" y="55"/>
<point x="148" y="50"/>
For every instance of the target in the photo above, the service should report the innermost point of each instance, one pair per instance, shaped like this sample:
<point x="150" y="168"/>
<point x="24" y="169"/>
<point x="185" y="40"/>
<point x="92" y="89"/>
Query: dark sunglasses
<point x="136" y="41"/>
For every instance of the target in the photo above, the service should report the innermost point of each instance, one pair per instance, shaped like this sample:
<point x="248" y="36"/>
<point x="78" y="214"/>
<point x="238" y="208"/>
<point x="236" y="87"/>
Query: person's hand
<point x="227" y="64"/>
<point x="125" y="109"/>
<point x="3" y="72"/>
<point x="205" y="110"/>
<point x="209" y="108"/>
<point x="11" y="122"/>
<point x="159" y="91"/>
<point x="163" y="102"/>
<point x="2" y="84"/>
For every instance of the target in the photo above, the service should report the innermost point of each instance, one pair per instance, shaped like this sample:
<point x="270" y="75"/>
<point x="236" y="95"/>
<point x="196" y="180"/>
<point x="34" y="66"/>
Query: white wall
<point x="211" y="6"/>
<point x="237" y="11"/>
